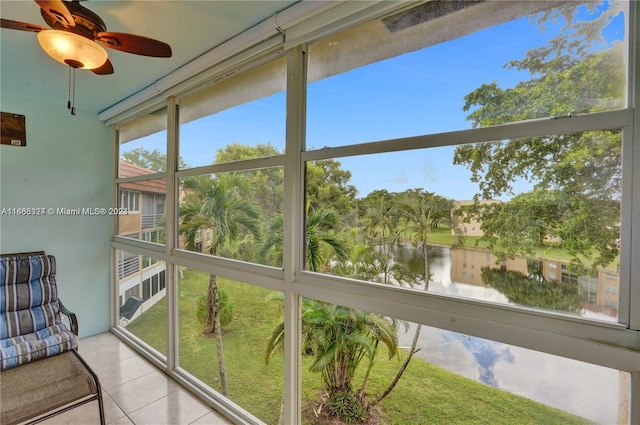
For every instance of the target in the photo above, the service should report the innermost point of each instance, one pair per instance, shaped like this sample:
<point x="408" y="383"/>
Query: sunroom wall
<point x="65" y="165"/>
<point x="611" y="345"/>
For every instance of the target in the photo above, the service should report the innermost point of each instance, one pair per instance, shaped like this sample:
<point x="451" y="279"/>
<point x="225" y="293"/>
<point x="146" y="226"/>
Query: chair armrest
<point x="73" y="320"/>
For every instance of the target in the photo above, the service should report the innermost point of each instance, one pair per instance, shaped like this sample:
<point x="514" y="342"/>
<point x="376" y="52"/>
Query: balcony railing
<point x="128" y="266"/>
<point x="151" y="220"/>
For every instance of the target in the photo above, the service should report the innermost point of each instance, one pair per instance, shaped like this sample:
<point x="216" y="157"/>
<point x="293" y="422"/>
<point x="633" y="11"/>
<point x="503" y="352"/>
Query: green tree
<point x="239" y="152"/>
<point x="576" y="72"/>
<point x="533" y="290"/>
<point x="521" y="225"/>
<point x="423" y="212"/>
<point x="151" y="160"/>
<point x="322" y="240"/>
<point x="379" y="219"/>
<point x="340" y="338"/>
<point x="420" y="214"/>
<point x="216" y="205"/>
<point x="321" y="243"/>
<point x="328" y="185"/>
<point x="270" y="181"/>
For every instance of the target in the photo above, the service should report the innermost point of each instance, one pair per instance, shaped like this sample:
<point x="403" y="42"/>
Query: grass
<point x="425" y="394"/>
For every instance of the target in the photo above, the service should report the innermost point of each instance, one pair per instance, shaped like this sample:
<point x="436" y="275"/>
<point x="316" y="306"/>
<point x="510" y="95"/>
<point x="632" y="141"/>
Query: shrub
<point x="345" y="405"/>
<point x="226" y="309"/>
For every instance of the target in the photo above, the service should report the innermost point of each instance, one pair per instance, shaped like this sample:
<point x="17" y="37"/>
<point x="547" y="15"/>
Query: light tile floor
<point x="133" y="390"/>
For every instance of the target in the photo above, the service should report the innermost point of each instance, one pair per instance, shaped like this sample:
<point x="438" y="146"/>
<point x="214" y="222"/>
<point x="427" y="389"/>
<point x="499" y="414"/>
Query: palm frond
<point x="274" y="342"/>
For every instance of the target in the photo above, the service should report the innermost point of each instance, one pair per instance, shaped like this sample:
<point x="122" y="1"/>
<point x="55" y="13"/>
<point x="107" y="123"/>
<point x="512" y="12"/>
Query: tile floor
<point x="134" y="391"/>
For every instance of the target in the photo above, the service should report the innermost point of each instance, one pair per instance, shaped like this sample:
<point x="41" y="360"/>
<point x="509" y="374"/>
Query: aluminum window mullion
<point x="634" y="410"/>
<point x="633" y="235"/>
<point x="609" y="345"/>
<point x="514" y="315"/>
<point x="250" y="273"/>
<point x="628" y="205"/>
<point x="293" y="230"/>
<point x="244" y="165"/>
<point x="114" y="298"/>
<point x="142" y="177"/>
<point x="139" y="247"/>
<point x="633" y="168"/>
<point x="516" y="130"/>
<point x="171" y="235"/>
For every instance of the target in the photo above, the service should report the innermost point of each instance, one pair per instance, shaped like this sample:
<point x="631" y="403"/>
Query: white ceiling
<point x="191" y="28"/>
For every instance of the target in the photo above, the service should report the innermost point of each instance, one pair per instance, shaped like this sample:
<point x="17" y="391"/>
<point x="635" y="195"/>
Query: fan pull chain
<point x="73" y="94"/>
<point x="69" y="91"/>
<point x="71" y="102"/>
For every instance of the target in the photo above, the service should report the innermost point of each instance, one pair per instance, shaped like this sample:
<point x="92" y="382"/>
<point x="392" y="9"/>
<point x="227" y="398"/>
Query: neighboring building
<point x="470" y="225"/>
<point x="600" y="293"/>
<point x="141" y="276"/>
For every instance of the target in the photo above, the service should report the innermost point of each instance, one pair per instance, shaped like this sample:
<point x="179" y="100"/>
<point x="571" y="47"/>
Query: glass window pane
<point x="143" y="210"/>
<point x="142" y="308"/>
<point x="246" y="325"/>
<point x="245" y="114"/>
<point x="143" y="145"/>
<point x="450" y="379"/>
<point x="530" y="222"/>
<point x="445" y="66"/>
<point x="234" y="215"/>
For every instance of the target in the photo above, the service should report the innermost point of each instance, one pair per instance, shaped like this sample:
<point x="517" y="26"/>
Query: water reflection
<point x="533" y="290"/>
<point x="540" y="283"/>
<point x="593" y="392"/>
<point x="596" y="393"/>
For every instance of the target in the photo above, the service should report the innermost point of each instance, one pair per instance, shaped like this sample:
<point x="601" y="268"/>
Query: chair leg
<point x="97" y="385"/>
<point x="100" y="405"/>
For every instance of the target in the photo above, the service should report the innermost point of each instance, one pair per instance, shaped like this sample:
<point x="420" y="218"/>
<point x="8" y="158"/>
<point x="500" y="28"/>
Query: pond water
<point x="547" y="284"/>
<point x="593" y="392"/>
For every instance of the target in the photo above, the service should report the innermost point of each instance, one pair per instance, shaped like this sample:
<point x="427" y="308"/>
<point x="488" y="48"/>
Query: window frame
<point x="130" y="200"/>
<point x="614" y="345"/>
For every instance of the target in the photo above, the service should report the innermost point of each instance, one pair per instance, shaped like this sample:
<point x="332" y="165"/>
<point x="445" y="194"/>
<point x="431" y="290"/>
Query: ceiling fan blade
<point x="58" y="10"/>
<point x="135" y="44"/>
<point x="105" y="69"/>
<point x="20" y="26"/>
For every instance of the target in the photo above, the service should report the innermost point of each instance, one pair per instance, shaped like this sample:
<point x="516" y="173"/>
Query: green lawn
<point x="425" y="394"/>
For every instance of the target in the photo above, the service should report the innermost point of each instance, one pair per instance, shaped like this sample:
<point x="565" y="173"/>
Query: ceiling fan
<point x="77" y="38"/>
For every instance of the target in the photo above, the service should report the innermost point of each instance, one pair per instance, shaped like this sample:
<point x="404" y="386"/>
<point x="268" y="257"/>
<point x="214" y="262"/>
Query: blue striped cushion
<point x="28" y="295"/>
<point x="30" y="325"/>
<point x="37" y="345"/>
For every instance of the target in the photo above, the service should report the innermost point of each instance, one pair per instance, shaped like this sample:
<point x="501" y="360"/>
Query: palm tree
<point x="216" y="205"/>
<point x="320" y="233"/>
<point x="422" y="213"/>
<point x="381" y="223"/>
<point x="340" y="338"/>
<point x="361" y="263"/>
<point x="320" y="239"/>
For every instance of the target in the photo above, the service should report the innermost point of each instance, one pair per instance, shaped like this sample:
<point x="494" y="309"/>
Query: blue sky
<point x="417" y="93"/>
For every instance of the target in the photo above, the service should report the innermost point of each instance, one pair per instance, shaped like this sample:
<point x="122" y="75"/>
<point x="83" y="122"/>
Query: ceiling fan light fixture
<point x="72" y="49"/>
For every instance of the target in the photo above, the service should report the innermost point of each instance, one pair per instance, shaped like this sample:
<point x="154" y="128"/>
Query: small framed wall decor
<point x="13" y="129"/>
